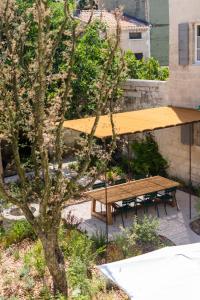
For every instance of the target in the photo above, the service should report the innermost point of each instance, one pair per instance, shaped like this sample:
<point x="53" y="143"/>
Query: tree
<point x="35" y="85"/>
<point x="148" y="69"/>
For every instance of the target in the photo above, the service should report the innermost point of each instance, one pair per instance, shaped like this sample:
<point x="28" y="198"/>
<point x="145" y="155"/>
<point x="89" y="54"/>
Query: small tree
<point x="37" y="56"/>
<point x="148" y="69"/>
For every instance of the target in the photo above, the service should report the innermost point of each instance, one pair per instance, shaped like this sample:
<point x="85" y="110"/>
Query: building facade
<point x="183" y="87"/>
<point x="135" y="35"/>
<point x="159" y="20"/>
<point x="134" y="8"/>
<point x="156" y="12"/>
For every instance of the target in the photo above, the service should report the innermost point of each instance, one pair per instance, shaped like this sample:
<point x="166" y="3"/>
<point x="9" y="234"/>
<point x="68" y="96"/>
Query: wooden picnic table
<point x="131" y="189"/>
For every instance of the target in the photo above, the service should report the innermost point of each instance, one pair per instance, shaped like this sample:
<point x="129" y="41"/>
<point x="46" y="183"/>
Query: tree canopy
<point x="41" y="45"/>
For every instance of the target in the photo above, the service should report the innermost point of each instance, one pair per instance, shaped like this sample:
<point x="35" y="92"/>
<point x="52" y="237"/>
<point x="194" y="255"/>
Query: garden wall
<point x="140" y="94"/>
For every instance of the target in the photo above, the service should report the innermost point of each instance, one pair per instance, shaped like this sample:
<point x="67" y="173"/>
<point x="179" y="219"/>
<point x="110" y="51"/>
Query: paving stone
<point x="174" y="226"/>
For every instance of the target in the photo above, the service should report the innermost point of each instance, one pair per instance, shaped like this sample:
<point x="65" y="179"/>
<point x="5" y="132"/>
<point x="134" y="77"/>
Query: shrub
<point x="99" y="239"/>
<point x="147" y="159"/>
<point x="140" y="237"/>
<point x="77" y="275"/>
<point x="19" y="231"/>
<point x="145" y="230"/>
<point x="82" y="287"/>
<point x="148" y="69"/>
<point x="115" y="173"/>
<point x="126" y="242"/>
<point x="78" y="245"/>
<point x="71" y="221"/>
<point x="35" y="258"/>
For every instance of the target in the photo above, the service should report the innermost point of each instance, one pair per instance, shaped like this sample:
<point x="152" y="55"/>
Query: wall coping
<point x="141" y="82"/>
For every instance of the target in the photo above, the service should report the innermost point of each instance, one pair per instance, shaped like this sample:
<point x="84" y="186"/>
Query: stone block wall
<point x="139" y="94"/>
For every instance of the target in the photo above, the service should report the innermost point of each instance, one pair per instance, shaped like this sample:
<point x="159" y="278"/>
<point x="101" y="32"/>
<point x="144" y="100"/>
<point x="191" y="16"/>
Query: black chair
<point x="149" y="200"/>
<point x="99" y="185"/>
<point x="120" y="181"/>
<point x="123" y="207"/>
<point x="118" y="210"/>
<point x="138" y="177"/>
<point x="168" y="196"/>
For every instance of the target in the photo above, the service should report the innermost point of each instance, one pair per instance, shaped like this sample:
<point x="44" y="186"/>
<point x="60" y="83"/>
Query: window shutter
<point x="183" y="44"/>
<point x="187" y="134"/>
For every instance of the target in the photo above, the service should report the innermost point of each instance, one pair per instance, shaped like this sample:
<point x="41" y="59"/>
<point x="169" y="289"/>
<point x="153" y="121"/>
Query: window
<point x="139" y="56"/>
<point x="135" y="35"/>
<point x="197" y="48"/>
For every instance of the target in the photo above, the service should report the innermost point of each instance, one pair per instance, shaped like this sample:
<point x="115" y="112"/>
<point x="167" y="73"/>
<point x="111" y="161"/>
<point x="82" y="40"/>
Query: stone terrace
<point x="174" y="226"/>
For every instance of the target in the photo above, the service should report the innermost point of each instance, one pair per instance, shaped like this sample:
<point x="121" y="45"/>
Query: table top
<point x="134" y="188"/>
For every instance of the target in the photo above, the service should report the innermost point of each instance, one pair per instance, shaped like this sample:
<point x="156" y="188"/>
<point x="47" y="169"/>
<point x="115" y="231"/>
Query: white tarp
<point x="171" y="273"/>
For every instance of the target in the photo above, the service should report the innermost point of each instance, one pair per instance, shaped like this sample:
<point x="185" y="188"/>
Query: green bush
<point x="82" y="253"/>
<point x="35" y="258"/>
<point x="125" y="242"/>
<point x="19" y="231"/>
<point x="134" y="240"/>
<point x="77" y="275"/>
<point x="147" y="160"/>
<point x="77" y="245"/>
<point x="99" y="239"/>
<point x="114" y="173"/>
<point x="148" y="69"/>
<point x="145" y="229"/>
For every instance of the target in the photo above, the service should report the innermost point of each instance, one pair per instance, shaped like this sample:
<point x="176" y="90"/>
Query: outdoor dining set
<point x="122" y="197"/>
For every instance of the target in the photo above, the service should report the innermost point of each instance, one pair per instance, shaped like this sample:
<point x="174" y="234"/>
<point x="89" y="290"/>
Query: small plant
<point x="71" y="221"/>
<point x="78" y="245"/>
<point x="77" y="274"/>
<point x="115" y="173"/>
<point x="126" y="241"/>
<point x="140" y="237"/>
<point x="145" y="230"/>
<point x="35" y="258"/>
<point x="19" y="231"/>
<point x="24" y="271"/>
<point x="99" y="239"/>
<point x="16" y="255"/>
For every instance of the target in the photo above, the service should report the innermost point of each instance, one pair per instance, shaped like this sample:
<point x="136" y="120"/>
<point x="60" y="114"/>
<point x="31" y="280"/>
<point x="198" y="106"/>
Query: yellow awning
<point x="136" y="121"/>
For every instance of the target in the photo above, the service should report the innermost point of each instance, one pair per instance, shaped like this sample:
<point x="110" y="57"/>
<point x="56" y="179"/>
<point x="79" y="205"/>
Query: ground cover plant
<point x="39" y="41"/>
<point x="24" y="274"/>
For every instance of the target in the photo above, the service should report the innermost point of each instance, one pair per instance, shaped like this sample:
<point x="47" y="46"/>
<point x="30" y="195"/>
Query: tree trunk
<point x="55" y="263"/>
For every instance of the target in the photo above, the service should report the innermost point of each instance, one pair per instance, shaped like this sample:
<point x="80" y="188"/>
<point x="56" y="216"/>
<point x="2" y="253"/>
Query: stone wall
<point x="140" y="94"/>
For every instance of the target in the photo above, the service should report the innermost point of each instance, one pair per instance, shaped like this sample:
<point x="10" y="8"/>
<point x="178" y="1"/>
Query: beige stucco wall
<point x="137" y="46"/>
<point x="184" y="82"/>
<point x="184" y="91"/>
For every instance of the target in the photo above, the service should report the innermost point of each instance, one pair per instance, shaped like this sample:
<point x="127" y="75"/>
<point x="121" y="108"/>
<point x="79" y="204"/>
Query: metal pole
<point x="129" y="167"/>
<point x="190" y="169"/>
<point x="106" y="198"/>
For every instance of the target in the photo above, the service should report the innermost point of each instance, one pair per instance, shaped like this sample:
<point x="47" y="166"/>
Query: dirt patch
<point x="14" y="282"/>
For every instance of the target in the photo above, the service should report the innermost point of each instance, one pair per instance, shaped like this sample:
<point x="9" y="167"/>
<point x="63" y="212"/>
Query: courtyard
<point x="174" y="225"/>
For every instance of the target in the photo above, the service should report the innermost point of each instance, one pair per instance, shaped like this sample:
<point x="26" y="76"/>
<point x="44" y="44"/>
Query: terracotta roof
<point x="136" y="121"/>
<point x="109" y="19"/>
